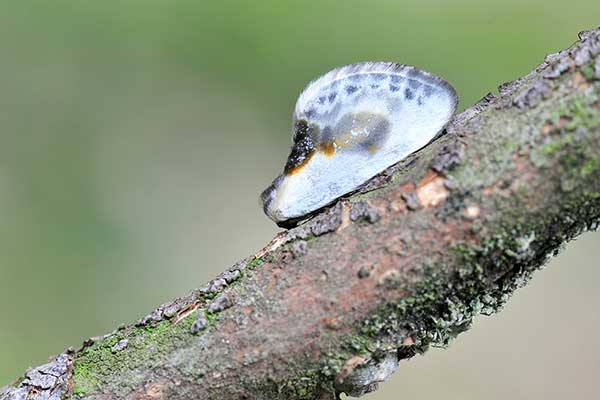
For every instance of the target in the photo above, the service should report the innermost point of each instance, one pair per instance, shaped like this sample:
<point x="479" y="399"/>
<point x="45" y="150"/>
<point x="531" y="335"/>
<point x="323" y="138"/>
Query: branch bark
<point x="404" y="264"/>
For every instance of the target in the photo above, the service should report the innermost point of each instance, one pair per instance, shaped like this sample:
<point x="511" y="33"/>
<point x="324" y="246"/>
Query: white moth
<point x="351" y="124"/>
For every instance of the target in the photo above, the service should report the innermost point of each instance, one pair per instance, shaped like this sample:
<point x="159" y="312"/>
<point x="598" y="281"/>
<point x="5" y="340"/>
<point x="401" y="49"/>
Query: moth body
<point x="351" y="124"/>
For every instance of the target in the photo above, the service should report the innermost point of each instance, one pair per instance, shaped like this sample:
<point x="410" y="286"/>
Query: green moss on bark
<point x="96" y="365"/>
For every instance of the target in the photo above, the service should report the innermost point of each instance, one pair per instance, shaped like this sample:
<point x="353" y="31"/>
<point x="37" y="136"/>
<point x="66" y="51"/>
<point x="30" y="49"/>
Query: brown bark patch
<point x="432" y="191"/>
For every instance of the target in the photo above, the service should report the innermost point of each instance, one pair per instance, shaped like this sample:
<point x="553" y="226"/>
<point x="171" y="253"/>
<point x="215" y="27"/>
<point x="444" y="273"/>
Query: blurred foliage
<point x="136" y="134"/>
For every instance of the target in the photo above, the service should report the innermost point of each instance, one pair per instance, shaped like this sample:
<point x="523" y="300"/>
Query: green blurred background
<point x="136" y="135"/>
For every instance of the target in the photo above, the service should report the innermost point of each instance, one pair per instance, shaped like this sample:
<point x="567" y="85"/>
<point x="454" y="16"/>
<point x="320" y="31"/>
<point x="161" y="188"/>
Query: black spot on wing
<point x="428" y="90"/>
<point x="408" y="94"/>
<point x="351" y="89"/>
<point x="394" y="88"/>
<point x="332" y="97"/>
<point x="415" y="73"/>
<point x="397" y="79"/>
<point x="303" y="145"/>
<point x="414" y="84"/>
<point x="322" y="100"/>
<point x="301" y="129"/>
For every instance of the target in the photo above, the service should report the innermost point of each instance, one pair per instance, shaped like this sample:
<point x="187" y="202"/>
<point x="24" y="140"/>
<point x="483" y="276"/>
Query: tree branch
<point x="406" y="263"/>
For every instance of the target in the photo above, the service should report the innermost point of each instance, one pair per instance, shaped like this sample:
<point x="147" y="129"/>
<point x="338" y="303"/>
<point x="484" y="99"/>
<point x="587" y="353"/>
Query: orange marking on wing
<point x="298" y="168"/>
<point x="372" y="148"/>
<point x="327" y="148"/>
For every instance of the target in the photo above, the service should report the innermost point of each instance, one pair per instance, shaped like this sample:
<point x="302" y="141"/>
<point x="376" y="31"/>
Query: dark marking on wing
<point x="414" y="72"/>
<point x="326" y="135"/>
<point x="379" y="133"/>
<point x="363" y="130"/>
<point x="351" y="89"/>
<point x="414" y="84"/>
<point x="408" y="94"/>
<point x="303" y="148"/>
<point x="298" y="167"/>
<point x="268" y="195"/>
<point x="428" y="90"/>
<point x="327" y="148"/>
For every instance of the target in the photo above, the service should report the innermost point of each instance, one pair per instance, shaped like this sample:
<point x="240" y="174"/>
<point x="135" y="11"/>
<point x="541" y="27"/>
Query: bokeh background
<point x="135" y="136"/>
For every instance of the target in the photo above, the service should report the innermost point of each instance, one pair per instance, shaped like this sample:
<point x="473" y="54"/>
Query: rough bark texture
<point x="406" y="263"/>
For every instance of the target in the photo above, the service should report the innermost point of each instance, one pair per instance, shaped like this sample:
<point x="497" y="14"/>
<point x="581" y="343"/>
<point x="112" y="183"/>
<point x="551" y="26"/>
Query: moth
<point x="350" y="125"/>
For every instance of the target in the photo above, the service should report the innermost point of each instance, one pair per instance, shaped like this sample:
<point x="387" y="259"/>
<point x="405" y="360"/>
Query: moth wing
<point x="414" y="102"/>
<point x="351" y="124"/>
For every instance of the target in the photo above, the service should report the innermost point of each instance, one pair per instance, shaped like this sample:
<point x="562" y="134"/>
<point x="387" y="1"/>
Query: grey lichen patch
<point x="324" y="222"/>
<point x="200" y="323"/>
<point x="181" y="306"/>
<point x="451" y="155"/>
<point x="169" y="310"/>
<point x="299" y="248"/>
<point x="220" y="303"/>
<point x="468" y="114"/>
<point x="590" y="47"/>
<point x="120" y="345"/>
<point x="153" y="317"/>
<point x="523" y="247"/>
<point x="327" y="222"/>
<point x="456" y="203"/>
<point x="227" y="278"/>
<point x="558" y="66"/>
<point x="14" y="393"/>
<point x="411" y="199"/>
<point x="46" y="382"/>
<point x="215" y="286"/>
<point x="365" y="376"/>
<point x="363" y="211"/>
<point x="534" y="94"/>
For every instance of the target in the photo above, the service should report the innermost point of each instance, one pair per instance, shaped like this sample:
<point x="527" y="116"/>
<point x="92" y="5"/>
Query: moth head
<point x="268" y="199"/>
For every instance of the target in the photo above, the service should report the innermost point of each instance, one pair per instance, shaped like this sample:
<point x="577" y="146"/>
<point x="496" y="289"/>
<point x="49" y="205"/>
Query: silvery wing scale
<point x="351" y="124"/>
